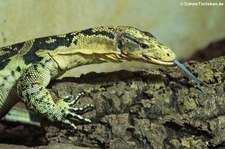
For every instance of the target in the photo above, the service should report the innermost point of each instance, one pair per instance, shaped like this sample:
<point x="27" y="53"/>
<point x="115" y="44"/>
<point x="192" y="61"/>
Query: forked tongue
<point x="189" y="74"/>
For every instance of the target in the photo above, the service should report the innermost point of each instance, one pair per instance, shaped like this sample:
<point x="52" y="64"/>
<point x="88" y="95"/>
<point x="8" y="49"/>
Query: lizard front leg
<point x="31" y="89"/>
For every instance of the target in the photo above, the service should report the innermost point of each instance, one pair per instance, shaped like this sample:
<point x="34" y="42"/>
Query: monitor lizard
<point x="26" y="68"/>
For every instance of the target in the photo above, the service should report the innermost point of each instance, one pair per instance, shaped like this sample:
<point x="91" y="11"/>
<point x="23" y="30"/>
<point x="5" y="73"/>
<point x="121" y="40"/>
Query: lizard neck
<point x="88" y="47"/>
<point x="66" y="62"/>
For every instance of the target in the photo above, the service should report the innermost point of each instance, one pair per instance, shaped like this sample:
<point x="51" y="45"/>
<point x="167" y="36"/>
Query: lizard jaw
<point x="149" y="60"/>
<point x="159" y="62"/>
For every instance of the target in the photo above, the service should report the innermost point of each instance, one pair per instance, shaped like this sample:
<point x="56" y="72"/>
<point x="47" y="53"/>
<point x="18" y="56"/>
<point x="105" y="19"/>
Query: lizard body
<point x="26" y="68"/>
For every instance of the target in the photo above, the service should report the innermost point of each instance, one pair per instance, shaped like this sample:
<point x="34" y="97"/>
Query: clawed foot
<point x="70" y="113"/>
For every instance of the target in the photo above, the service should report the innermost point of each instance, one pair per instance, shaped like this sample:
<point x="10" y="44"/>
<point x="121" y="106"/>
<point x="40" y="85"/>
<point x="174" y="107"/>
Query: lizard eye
<point x="144" y="46"/>
<point x="119" y="44"/>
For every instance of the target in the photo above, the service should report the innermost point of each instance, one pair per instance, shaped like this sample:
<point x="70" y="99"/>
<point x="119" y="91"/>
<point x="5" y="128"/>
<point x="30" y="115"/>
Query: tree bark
<point x="157" y="108"/>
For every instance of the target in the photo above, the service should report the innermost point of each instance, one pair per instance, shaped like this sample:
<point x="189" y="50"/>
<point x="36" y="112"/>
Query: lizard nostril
<point x="168" y="54"/>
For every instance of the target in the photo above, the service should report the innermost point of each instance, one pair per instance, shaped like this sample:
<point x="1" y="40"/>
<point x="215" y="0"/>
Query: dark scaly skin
<point x="26" y="68"/>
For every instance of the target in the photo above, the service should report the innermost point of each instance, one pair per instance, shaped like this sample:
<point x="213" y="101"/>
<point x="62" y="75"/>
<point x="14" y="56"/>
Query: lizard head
<point x="136" y="45"/>
<point x="110" y="44"/>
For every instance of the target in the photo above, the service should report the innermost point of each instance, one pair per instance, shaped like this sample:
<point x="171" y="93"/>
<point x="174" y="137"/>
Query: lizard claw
<point x="71" y="100"/>
<point x="71" y="114"/>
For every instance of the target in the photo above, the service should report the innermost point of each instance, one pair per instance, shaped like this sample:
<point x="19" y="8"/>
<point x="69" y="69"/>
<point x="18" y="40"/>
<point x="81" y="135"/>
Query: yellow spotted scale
<point x="26" y="68"/>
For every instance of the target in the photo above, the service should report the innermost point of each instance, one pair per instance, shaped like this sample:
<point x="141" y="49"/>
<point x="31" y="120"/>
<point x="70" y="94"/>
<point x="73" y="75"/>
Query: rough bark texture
<point x="158" y="108"/>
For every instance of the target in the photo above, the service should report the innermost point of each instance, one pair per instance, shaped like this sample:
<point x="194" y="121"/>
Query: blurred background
<point x="183" y="28"/>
